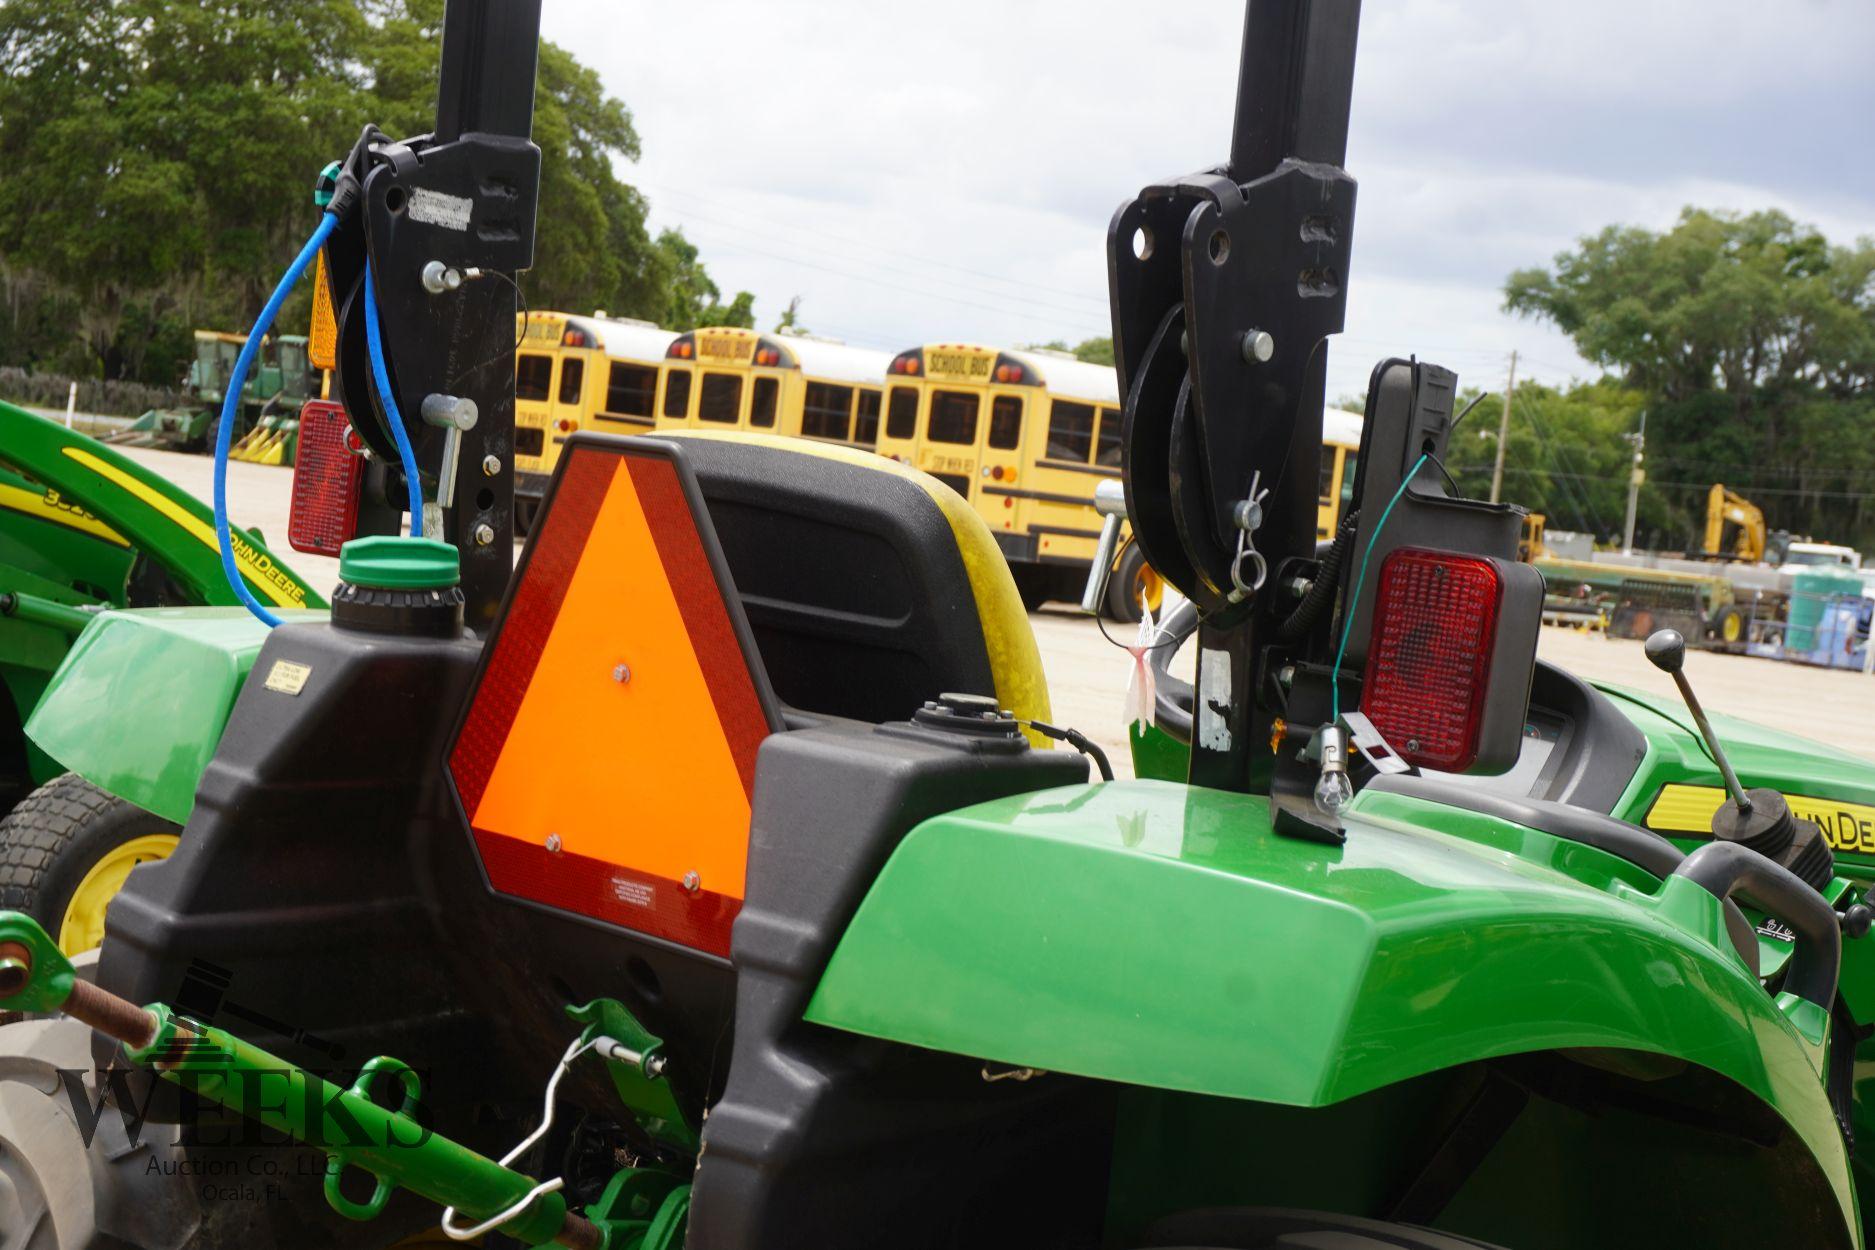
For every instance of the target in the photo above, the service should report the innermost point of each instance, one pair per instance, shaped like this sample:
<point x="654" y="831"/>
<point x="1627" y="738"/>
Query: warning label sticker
<point x="436" y="208"/>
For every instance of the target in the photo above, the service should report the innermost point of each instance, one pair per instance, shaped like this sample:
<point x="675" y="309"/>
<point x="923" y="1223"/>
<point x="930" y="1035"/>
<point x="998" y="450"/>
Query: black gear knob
<point x="1666" y="650"/>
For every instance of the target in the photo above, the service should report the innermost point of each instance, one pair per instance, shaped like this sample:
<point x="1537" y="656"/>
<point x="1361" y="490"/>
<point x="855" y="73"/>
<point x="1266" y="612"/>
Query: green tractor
<point x="707" y="879"/>
<point x="84" y="530"/>
<point x="275" y="390"/>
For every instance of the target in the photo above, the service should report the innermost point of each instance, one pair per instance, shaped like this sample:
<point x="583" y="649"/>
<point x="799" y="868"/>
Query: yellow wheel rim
<point x="1731" y="628"/>
<point x="1149" y="588"/>
<point x="83" y="925"/>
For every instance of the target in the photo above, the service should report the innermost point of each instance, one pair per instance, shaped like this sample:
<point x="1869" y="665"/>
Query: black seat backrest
<point x="853" y="578"/>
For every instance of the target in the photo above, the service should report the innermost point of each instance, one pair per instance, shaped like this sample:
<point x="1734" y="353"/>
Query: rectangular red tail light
<point x="327" y="474"/>
<point x="1449" y="663"/>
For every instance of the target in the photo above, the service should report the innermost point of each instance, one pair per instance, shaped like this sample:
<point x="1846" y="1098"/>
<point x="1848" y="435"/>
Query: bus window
<point x="866" y="418"/>
<point x="677" y="394"/>
<point x="721" y="398"/>
<point x="953" y="417"/>
<point x="762" y="402"/>
<point x="572" y="374"/>
<point x="1070" y="431"/>
<point x="1006" y="422"/>
<point x="901" y="421"/>
<point x="1107" y="449"/>
<point x="825" y="412"/>
<point x="1327" y="492"/>
<point x="1350" y="461"/>
<point x="629" y="390"/>
<point x="533" y="376"/>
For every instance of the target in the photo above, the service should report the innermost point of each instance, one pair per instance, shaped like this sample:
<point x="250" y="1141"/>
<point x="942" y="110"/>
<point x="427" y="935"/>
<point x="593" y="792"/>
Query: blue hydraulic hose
<point x="231" y="404"/>
<point x="375" y="344"/>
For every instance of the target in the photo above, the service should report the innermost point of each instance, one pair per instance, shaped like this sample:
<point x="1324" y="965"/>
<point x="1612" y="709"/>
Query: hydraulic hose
<point x="231" y="407"/>
<point x="231" y="403"/>
<point x="1322" y="589"/>
<point x="381" y="376"/>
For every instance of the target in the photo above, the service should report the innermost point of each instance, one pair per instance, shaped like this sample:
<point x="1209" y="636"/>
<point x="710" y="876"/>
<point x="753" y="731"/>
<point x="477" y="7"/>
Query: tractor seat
<point x="870" y="587"/>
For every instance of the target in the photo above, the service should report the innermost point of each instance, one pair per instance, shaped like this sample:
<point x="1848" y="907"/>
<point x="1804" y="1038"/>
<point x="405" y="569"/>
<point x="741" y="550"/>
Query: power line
<point x="849" y="241"/>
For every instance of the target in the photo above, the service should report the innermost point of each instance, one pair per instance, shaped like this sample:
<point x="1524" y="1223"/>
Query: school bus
<point x="1024" y="436"/>
<point x="1341" y="454"/>
<point x="721" y="377"/>
<point x="577" y="373"/>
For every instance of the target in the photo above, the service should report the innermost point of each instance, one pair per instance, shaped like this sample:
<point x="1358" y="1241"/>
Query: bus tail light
<point x="683" y="347"/>
<point x="1450" y="658"/>
<point x="907" y="364"/>
<point x="575" y="338"/>
<point x="327" y="475"/>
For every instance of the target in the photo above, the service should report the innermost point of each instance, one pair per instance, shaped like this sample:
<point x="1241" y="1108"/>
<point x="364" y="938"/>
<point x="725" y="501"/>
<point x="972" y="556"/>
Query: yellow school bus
<point x="1024" y="436"/>
<point x="577" y="373"/>
<point x="1341" y="454"/>
<point x="724" y="378"/>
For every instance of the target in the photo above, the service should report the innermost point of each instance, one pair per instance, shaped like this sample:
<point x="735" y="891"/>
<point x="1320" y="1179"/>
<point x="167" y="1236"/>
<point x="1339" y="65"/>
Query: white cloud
<point x="917" y="174"/>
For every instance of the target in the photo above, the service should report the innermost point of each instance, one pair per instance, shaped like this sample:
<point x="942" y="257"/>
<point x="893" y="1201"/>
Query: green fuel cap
<point x="396" y="562"/>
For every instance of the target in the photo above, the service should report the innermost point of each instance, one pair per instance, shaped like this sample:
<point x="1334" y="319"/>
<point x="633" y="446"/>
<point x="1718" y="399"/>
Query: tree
<point x="160" y="159"/>
<point x="1093" y="351"/>
<point x="694" y="299"/>
<point x="1751" y="340"/>
<point x="790" y="322"/>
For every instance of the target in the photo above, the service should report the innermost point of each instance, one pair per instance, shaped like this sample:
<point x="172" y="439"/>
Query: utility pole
<point x="1635" y="478"/>
<point x="1503" y="433"/>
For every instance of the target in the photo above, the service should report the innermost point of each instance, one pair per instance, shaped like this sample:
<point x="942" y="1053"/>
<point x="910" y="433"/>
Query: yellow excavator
<point x="1729" y="508"/>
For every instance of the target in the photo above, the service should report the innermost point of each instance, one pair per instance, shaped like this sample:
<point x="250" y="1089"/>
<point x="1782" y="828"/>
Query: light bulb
<point x="1333" y="791"/>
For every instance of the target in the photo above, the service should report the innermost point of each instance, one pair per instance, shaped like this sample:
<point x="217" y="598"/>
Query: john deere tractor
<point x="85" y="530"/>
<point x="713" y="879"/>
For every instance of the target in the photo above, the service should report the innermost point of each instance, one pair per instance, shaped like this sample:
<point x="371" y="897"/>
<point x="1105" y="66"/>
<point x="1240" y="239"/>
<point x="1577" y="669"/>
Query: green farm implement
<point x="707" y="879"/>
<point x="271" y="395"/>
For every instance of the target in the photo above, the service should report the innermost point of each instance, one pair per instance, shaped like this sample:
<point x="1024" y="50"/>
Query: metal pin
<point x="1258" y="347"/>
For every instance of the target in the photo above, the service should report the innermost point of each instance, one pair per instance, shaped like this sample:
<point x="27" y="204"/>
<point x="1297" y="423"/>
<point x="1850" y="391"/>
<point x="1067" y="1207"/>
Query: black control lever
<point x="1758" y="819"/>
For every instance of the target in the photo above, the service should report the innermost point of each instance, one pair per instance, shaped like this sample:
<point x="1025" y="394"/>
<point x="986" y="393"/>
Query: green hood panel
<point x="139" y="704"/>
<point x="1161" y="935"/>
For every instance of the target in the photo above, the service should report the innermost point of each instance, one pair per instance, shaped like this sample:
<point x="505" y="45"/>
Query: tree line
<point x="1747" y="339"/>
<point x="160" y="160"/>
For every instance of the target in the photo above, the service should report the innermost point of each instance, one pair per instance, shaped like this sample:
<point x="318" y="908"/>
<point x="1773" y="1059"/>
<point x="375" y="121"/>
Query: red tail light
<point x="326" y="477"/>
<point x="906" y="364"/>
<point x="1429" y="662"/>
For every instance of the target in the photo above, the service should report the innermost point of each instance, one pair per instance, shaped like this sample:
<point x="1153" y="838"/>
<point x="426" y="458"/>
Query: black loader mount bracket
<point x="1225" y="286"/>
<point x="447" y="221"/>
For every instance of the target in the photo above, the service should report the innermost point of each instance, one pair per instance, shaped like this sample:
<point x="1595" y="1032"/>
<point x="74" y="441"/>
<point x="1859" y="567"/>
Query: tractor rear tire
<point x="1271" y="1228"/>
<point x="64" y="851"/>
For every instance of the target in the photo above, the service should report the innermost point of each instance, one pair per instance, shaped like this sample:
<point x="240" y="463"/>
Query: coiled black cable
<point x="1322" y="589"/>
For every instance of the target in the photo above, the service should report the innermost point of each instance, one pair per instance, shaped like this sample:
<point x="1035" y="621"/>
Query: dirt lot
<point x="1087" y="676"/>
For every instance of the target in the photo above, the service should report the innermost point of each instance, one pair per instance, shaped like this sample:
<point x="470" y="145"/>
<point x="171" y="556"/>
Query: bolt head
<point x="491" y="465"/>
<point x="484" y="534"/>
<point x="621" y="673"/>
<point x="693" y="881"/>
<point x="1258" y="347"/>
<point x="553" y="843"/>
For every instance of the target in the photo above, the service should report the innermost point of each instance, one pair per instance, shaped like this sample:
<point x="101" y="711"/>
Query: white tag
<point x="1213" y="693"/>
<point x="286" y="677"/>
<point x="436" y="208"/>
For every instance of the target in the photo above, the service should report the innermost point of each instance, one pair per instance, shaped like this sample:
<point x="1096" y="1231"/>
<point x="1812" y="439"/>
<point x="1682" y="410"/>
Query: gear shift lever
<point x="1759" y="819"/>
<point x="1666" y="651"/>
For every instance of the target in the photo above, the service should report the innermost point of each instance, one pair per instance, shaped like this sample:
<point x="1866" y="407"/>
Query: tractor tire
<point x="1132" y="584"/>
<point x="1728" y="629"/>
<point x="1270" y="1228"/>
<point x="65" y="851"/>
<point x="526" y="513"/>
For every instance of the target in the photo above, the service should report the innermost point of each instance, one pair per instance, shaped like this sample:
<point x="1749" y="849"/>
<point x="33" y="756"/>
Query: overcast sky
<point x="919" y="173"/>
